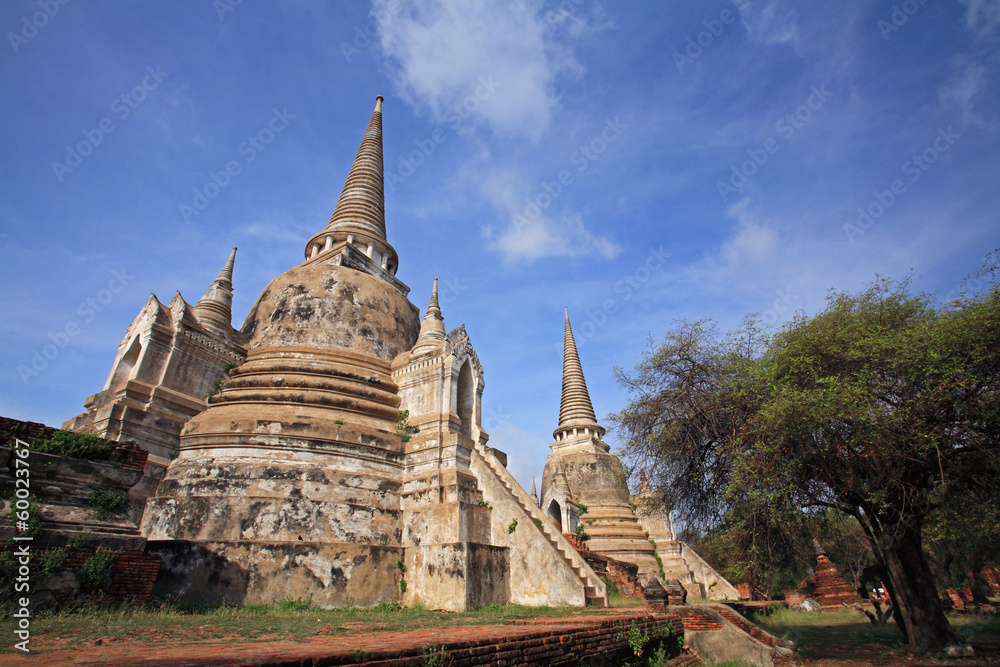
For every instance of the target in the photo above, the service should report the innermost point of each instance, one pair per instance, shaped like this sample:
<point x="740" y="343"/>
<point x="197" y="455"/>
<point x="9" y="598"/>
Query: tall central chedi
<point x="345" y="461"/>
<point x="289" y="482"/>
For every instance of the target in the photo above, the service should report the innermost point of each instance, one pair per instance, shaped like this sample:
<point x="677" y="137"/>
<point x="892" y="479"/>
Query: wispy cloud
<point x="960" y="91"/>
<point x="769" y="22"/>
<point x="982" y="16"/>
<point x="439" y="53"/>
<point x="534" y="227"/>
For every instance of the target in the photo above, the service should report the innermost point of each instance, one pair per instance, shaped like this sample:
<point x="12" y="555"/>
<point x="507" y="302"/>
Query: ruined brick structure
<point x="826" y="585"/>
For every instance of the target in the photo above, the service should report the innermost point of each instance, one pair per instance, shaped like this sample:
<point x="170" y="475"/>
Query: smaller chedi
<point x="584" y="490"/>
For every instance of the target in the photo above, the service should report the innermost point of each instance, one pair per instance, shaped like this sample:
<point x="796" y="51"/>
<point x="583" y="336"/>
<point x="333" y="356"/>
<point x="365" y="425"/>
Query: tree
<point x="876" y="407"/>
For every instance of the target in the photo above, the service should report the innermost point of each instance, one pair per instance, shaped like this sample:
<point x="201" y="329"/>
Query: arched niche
<point x="466" y="404"/>
<point x="123" y="372"/>
<point x="555" y="513"/>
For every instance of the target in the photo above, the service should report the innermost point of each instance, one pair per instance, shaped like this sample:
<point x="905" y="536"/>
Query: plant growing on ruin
<point x="434" y="657"/>
<point x="76" y="446"/>
<point x="512" y="527"/>
<point x="582" y="508"/>
<point x="538" y="522"/>
<point x="93" y="571"/>
<point x="405" y="431"/>
<point x="78" y="540"/>
<point x="33" y="526"/>
<point x="581" y="533"/>
<point x="104" y="502"/>
<point x="482" y="502"/>
<point x="50" y="562"/>
<point x="637" y="640"/>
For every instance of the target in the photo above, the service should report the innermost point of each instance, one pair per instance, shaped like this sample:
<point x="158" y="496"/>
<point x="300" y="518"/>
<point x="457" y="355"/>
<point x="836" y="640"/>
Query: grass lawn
<point x="167" y="623"/>
<point x="847" y="634"/>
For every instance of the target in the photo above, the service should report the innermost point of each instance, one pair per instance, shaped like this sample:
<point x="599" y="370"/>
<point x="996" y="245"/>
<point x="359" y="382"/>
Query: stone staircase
<point x="680" y="562"/>
<point x="594" y="589"/>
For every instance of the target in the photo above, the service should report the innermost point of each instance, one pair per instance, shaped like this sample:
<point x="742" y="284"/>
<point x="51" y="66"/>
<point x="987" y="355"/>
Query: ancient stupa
<point x="583" y="483"/>
<point x="344" y="461"/>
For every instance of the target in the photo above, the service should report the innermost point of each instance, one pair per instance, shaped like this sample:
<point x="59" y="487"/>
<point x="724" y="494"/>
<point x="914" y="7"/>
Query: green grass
<point x="168" y="623"/>
<point x="816" y="632"/>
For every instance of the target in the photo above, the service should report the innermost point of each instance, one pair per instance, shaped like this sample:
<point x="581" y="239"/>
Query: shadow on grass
<point x="833" y="633"/>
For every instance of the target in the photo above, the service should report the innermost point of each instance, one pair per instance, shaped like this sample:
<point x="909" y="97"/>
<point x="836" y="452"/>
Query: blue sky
<point x="637" y="162"/>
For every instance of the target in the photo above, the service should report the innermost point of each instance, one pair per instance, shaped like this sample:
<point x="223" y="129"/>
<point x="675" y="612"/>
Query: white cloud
<point x="494" y="63"/>
<point x="982" y="16"/>
<point x="533" y="230"/>
<point x="753" y="243"/>
<point x="960" y="90"/>
<point x="768" y="22"/>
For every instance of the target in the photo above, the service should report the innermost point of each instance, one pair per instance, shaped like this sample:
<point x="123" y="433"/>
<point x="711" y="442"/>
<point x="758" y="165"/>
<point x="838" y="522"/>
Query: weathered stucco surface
<point x="342" y="458"/>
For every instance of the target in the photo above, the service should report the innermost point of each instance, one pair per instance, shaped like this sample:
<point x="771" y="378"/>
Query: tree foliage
<point x="879" y="407"/>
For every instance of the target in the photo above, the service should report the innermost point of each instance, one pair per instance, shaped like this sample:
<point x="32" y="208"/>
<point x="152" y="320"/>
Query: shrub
<point x="112" y="501"/>
<point x="93" y="571"/>
<point x="76" y="446"/>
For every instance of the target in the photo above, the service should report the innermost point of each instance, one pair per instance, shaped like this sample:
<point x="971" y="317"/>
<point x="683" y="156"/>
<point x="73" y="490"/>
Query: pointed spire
<point x="432" y="328"/>
<point x="361" y="207"/>
<point x="575" y="410"/>
<point x="359" y="217"/>
<point x="534" y="494"/>
<point x="644" y="488"/>
<point x="215" y="309"/>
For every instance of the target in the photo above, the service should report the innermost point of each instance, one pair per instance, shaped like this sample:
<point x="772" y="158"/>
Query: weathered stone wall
<point x="337" y="575"/>
<point x="541" y="573"/>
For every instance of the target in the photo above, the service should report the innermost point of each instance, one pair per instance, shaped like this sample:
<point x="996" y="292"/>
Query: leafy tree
<point x="874" y="407"/>
<point x="962" y="533"/>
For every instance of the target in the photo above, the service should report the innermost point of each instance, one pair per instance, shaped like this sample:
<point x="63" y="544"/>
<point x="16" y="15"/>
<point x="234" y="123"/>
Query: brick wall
<point x="130" y="578"/>
<point x="126" y="454"/>
<point x="603" y="643"/>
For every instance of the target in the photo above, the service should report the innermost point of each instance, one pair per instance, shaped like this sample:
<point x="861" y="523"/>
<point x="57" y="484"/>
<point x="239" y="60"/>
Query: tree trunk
<point x="919" y="612"/>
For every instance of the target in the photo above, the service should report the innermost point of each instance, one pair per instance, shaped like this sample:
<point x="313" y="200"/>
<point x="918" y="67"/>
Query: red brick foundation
<point x="130" y="577"/>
